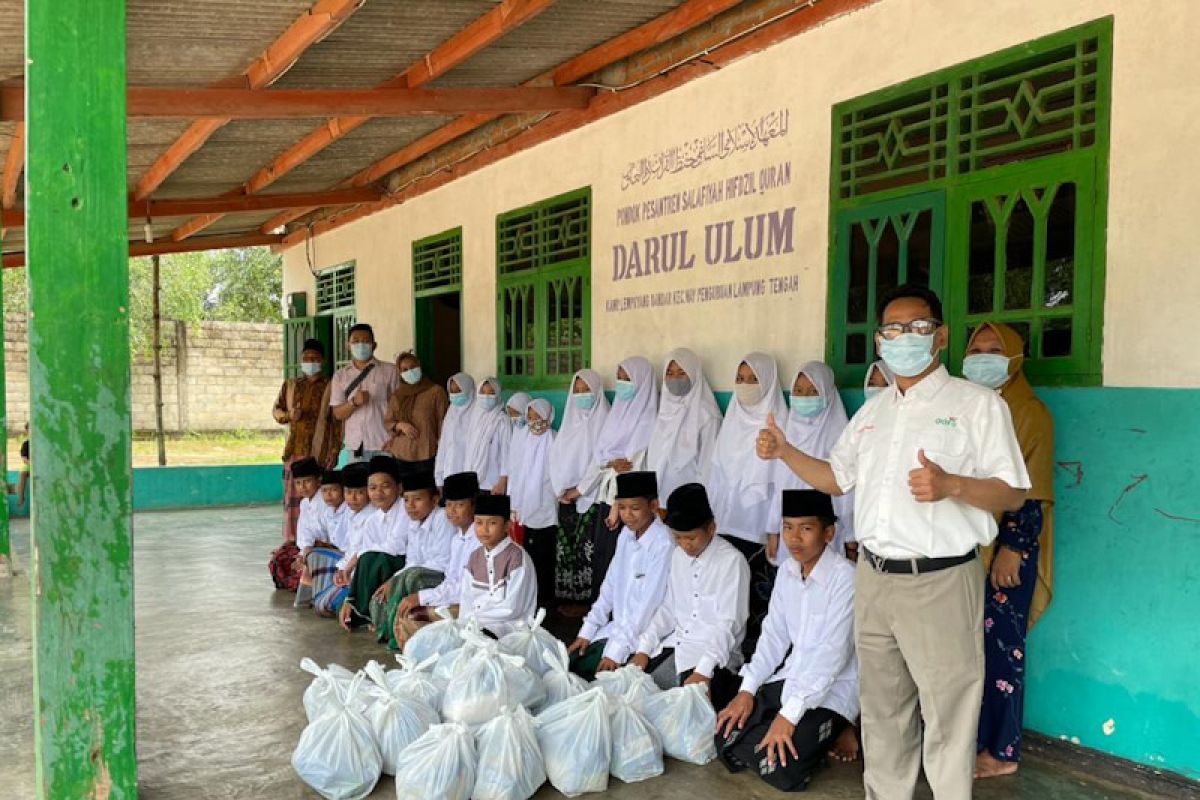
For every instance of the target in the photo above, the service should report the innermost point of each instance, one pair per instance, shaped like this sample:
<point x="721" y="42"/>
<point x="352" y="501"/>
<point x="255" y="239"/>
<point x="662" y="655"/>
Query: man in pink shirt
<point x="359" y="396"/>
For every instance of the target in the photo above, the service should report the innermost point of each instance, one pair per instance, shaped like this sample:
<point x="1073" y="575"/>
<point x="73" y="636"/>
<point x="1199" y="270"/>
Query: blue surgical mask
<point x="986" y="369"/>
<point x="310" y="367"/>
<point x="584" y="401"/>
<point x="361" y="351"/>
<point x="807" y="406"/>
<point x="411" y="376"/>
<point x="626" y="390"/>
<point x="871" y="391"/>
<point x="459" y="399"/>
<point x="908" y="355"/>
<point x="488" y="401"/>
<point x="518" y="421"/>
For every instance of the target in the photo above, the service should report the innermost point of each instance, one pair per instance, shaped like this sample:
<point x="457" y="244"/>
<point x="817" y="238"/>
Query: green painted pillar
<point x="78" y="262"/>
<point x="5" y="539"/>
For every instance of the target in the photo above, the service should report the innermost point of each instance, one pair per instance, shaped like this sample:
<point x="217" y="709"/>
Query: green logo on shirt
<point x="947" y="422"/>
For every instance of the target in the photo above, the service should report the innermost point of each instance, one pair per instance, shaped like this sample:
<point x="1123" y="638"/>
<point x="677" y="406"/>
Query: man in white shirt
<point x="635" y="584"/>
<point x="801" y="688"/>
<point x="931" y="459"/>
<point x="696" y="634"/>
<point x="417" y="609"/>
<point x="359" y="395"/>
<point x="499" y="584"/>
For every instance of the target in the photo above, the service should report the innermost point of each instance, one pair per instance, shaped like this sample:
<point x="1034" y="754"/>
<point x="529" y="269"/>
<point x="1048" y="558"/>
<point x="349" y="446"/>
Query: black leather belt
<point x="913" y="566"/>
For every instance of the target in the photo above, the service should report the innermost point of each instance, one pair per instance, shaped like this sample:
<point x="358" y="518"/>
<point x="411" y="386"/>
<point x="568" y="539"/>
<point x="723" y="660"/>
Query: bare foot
<point x="845" y="747"/>
<point x="988" y="766"/>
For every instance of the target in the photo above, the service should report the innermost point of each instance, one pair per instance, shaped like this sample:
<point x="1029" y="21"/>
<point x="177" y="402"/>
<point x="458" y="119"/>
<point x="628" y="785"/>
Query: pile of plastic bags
<point x="457" y="721"/>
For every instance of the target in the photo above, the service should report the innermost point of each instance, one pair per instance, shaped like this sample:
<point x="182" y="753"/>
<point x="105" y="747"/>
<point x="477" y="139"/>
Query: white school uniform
<point x="334" y="518"/>
<point x="704" y="613"/>
<point x="529" y="484"/>
<point x="310" y="525"/>
<point x="452" y="446"/>
<point x="488" y="436"/>
<point x="384" y="532"/>
<point x="813" y="616"/>
<point x="356" y="527"/>
<point x="632" y="591"/>
<point x="449" y="591"/>
<point x="429" y="541"/>
<point x="625" y="434"/>
<point x="571" y="453"/>
<point x="519" y="402"/>
<point x="499" y="588"/>
<point x="685" y="433"/>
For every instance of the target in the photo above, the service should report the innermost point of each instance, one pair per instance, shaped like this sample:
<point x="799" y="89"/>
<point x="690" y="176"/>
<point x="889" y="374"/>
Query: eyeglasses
<point x="921" y="327"/>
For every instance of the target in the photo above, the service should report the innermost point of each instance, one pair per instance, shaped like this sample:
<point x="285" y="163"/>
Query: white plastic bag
<point x="477" y="691"/>
<point x="576" y="740"/>
<point x="637" y="752"/>
<point x="438" y="766"/>
<point x="418" y="680"/>
<point x="396" y="718"/>
<point x="686" y="721"/>
<point x="559" y="682"/>
<point x="629" y="682"/>
<point x="337" y="754"/>
<point x="510" y="759"/>
<point x="328" y="689"/>
<point x="529" y="643"/>
<point x="436" y="638"/>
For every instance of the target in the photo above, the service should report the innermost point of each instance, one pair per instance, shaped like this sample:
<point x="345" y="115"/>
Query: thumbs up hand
<point x="771" y="441"/>
<point x="930" y="482"/>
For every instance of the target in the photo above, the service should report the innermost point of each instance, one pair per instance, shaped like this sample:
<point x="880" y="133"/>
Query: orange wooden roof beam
<point x="505" y="17"/>
<point x="308" y="29"/>
<point x="14" y="260"/>
<point x="14" y="163"/>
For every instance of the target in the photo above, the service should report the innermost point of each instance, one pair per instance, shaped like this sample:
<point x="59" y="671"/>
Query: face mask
<point x="747" y="393"/>
<point x="488" y="401"/>
<point x="411" y="376"/>
<point x="679" y="386"/>
<point x="986" y="369"/>
<point x="518" y="422"/>
<point x="626" y="390"/>
<point x="539" y="427"/>
<point x="458" y="399"/>
<point x="807" y="406"/>
<point x="361" y="351"/>
<point x="871" y="391"/>
<point x="310" y="367"/>
<point x="584" y="401"/>
<point x="908" y="355"/>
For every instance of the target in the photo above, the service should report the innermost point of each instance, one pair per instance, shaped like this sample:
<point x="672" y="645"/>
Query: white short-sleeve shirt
<point x="964" y="428"/>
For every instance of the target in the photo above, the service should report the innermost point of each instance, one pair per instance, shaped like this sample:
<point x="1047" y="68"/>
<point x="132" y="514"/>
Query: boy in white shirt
<point x="635" y="584"/>
<point x="328" y="602"/>
<point x="310" y="524"/>
<point x="435" y="540"/>
<point x="696" y="635"/>
<point x="379" y="552"/>
<point x="792" y="707"/>
<point x="499" y="585"/>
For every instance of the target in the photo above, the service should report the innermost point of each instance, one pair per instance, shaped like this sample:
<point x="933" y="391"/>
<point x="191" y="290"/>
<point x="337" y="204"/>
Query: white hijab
<point x="452" y="448"/>
<point x="519" y="402"/>
<point x="529" y="474"/>
<point x="740" y="477"/>
<point x="675" y="444"/>
<point x="883" y="370"/>
<point x="488" y="433"/>
<point x="572" y="450"/>
<point x="630" y="424"/>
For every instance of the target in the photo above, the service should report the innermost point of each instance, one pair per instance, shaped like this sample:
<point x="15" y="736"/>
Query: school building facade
<point x="1032" y="161"/>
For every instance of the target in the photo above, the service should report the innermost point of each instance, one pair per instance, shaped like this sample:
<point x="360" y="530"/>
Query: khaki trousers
<point x="920" y="656"/>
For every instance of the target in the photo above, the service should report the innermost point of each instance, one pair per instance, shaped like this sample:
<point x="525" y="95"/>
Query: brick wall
<point x="216" y="376"/>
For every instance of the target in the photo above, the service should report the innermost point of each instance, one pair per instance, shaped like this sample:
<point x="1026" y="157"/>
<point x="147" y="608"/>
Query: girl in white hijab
<point x="488" y="436"/>
<point x="815" y="420"/>
<point x="570" y="456"/>
<point x="620" y="448"/>
<point x="534" y="502"/>
<point x="879" y="377"/>
<point x="515" y="408"/>
<point x="452" y="447"/>
<point x="689" y="420"/>
<point x="741" y="484"/>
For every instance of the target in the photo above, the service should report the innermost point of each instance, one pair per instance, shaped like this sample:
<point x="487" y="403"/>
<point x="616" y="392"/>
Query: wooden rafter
<point x="14" y="260"/>
<point x="311" y="27"/>
<point x="667" y="26"/>
<point x="756" y="38"/>
<point x="14" y="164"/>
<point x="231" y="104"/>
<point x="505" y="17"/>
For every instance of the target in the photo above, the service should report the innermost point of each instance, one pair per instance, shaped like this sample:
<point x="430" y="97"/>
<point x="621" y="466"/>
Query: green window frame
<point x="1008" y="156"/>
<point x="335" y="288"/>
<point x="437" y="263"/>
<point x="543" y="291"/>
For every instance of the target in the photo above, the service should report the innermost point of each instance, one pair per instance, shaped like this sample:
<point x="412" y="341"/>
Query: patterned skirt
<point x="573" y="562"/>
<point x="282" y="567"/>
<point x="322" y="566"/>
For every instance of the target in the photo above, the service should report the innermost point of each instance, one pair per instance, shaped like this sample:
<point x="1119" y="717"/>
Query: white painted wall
<point x="1153" y="280"/>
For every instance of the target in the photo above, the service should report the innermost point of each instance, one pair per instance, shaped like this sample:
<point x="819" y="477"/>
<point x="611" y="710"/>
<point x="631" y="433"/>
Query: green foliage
<point x="240" y="285"/>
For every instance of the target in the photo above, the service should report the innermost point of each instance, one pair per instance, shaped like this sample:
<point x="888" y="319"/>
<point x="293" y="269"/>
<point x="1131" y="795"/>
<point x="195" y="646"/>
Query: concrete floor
<point x="219" y="688"/>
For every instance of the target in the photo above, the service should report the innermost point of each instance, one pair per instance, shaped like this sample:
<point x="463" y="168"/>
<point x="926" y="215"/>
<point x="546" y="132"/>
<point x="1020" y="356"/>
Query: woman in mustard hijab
<point x="1021" y="561"/>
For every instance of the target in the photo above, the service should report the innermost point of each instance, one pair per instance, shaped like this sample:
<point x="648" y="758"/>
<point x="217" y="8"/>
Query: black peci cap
<point x="688" y="508"/>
